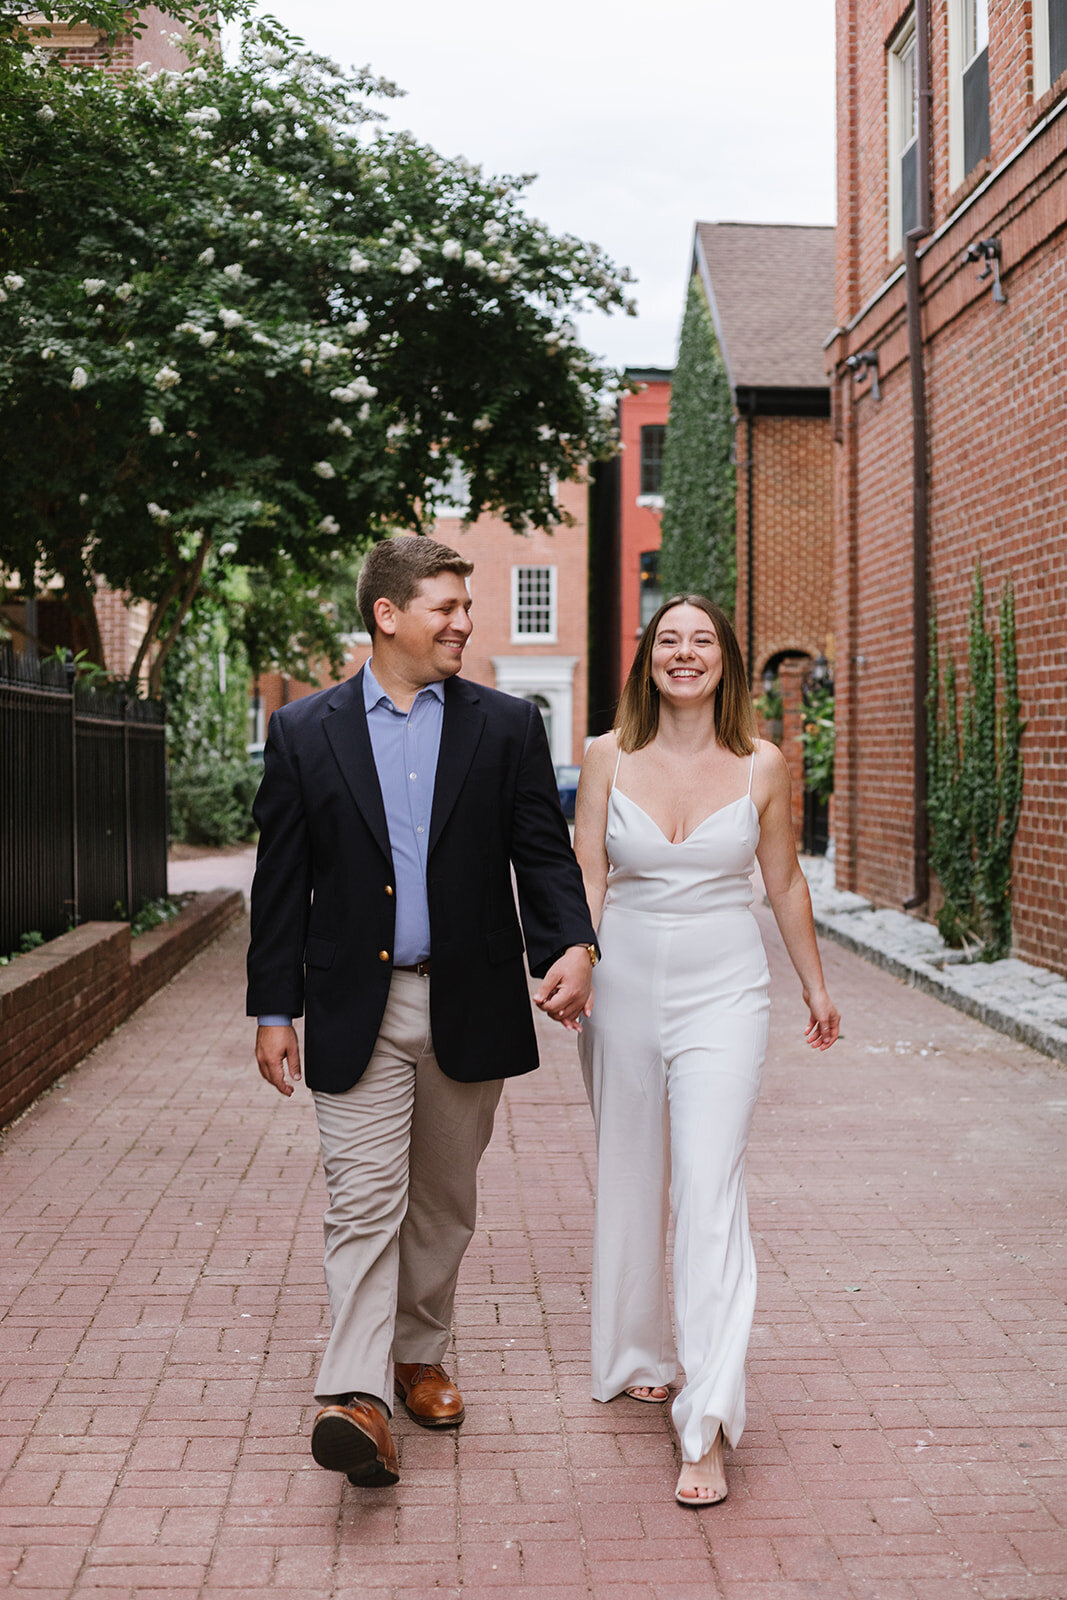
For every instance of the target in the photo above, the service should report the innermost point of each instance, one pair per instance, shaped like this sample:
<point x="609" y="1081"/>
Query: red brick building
<point x="952" y="127"/>
<point x="530" y="601"/>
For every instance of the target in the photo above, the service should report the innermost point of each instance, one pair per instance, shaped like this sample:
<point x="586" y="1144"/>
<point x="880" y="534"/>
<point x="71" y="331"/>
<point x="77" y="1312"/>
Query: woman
<point x="673" y="807"/>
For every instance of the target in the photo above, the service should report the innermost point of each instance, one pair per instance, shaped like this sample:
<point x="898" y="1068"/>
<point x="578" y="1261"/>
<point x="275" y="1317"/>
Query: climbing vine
<point x="975" y="779"/>
<point x="699" y="552"/>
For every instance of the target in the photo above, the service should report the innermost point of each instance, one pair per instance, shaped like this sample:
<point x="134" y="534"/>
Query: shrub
<point x="211" y="803"/>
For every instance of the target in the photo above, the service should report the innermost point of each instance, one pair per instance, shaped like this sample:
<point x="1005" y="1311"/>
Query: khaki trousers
<point x="400" y="1152"/>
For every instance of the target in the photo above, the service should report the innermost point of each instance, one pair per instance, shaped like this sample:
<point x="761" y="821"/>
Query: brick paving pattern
<point x="161" y="1281"/>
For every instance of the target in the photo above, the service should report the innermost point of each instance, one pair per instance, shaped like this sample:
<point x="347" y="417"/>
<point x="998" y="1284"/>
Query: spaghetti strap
<point x="615" y="774"/>
<point x="752" y="768"/>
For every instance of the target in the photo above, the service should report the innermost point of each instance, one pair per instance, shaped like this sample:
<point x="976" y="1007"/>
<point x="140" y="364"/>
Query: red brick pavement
<point x="907" y="1386"/>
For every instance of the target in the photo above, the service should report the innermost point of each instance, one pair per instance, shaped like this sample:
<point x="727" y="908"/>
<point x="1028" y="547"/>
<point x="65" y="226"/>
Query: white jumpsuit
<point x="672" y="1057"/>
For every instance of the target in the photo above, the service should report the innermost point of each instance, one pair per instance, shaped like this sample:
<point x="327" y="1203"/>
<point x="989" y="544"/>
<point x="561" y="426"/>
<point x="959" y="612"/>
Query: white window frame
<point x="1042" y="48"/>
<point x="518" y="637"/>
<point x="958" y="62"/>
<point x="896" y="145"/>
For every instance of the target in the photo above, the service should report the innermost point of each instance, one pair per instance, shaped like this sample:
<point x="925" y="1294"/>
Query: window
<point x="453" y="496"/>
<point x="533" y="605"/>
<point x="1050" y="43"/>
<point x="651" y="589"/>
<point x="968" y="87"/>
<point x="652" y="441"/>
<point x="903" y="136"/>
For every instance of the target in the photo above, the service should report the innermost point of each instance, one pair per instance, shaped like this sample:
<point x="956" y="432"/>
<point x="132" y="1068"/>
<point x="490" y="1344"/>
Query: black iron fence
<point x="83" y="801"/>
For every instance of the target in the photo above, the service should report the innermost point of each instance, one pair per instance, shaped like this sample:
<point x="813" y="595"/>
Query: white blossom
<point x="157" y="513"/>
<point x="396" y="430"/>
<point x="48" y="354"/>
<point x="407" y="262"/>
<point x="79" y="378"/>
<point x="198" y="75"/>
<point x="357" y="328"/>
<point x="473" y="258"/>
<point x="155" y="426"/>
<point x="206" y="340"/>
<point x="229" y="318"/>
<point x="358" y="389"/>
<point x="205" y="114"/>
<point x="253" y="244"/>
<point x="452" y="250"/>
<point x="206" y="257"/>
<point x="166" y="377"/>
<point x="124" y="291"/>
<point x="200" y="134"/>
<point x="328" y="351"/>
<point x="93" y="285"/>
<point x="45" y="114"/>
<point x="290" y="102"/>
<point x="234" y="271"/>
<point x="189" y="327"/>
<point x="337" y="426"/>
<point x="305" y="367"/>
<point x="329" y="525"/>
<point x="255" y="216"/>
<point x="3" y="296"/>
<point x="324" y="469"/>
<point x="357" y="262"/>
<point x="262" y="108"/>
<point x="83" y="499"/>
<point x="363" y="413"/>
<point x="13" y="281"/>
<point x="275" y="57"/>
<point x="228" y="549"/>
<point x="482" y="424"/>
<point x="494" y="231"/>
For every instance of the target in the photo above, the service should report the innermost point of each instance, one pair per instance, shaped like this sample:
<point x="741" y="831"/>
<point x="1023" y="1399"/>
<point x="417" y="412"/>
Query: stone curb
<point x="1025" y="1002"/>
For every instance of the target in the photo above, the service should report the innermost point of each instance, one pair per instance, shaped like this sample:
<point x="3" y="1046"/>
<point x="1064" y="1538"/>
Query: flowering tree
<point x="242" y="325"/>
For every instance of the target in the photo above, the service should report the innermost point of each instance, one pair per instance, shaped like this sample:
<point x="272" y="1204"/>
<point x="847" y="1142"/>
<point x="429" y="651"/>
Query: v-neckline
<point x="677" y="843"/>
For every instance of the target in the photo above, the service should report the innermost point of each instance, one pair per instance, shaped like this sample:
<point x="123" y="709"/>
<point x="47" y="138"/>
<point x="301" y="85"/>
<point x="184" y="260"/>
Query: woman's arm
<point x="591" y="820"/>
<point x="787" y="891"/>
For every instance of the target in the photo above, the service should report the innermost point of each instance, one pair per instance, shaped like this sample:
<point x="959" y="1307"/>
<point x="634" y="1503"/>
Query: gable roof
<point x="770" y="287"/>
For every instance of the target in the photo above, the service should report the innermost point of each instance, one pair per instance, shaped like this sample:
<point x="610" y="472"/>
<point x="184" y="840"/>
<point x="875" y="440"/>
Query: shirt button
<point x="413" y="776"/>
<point x="420" y="829"/>
<point x="383" y="955"/>
<point x="389" y="889"/>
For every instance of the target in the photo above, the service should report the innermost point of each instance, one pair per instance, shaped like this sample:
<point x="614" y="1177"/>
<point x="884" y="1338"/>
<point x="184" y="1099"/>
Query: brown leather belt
<point x="421" y="967"/>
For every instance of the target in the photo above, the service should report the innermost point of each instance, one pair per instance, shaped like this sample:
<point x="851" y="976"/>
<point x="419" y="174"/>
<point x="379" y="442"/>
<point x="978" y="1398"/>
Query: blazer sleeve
<point x="552" y="901"/>
<point x="281" y="887"/>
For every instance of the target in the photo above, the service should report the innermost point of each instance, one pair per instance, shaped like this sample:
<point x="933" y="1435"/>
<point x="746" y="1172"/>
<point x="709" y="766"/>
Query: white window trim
<point x="956" y="68"/>
<point x="553" y="604"/>
<point x="1042" y="48"/>
<point x="894" y="106"/>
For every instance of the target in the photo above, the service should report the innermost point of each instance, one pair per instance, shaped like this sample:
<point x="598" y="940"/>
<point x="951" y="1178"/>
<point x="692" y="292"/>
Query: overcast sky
<point x="638" y="119"/>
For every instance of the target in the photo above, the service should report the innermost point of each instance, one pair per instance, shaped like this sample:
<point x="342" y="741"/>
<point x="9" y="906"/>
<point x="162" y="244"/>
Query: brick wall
<point x="997" y="473"/>
<point x="57" y="1003"/>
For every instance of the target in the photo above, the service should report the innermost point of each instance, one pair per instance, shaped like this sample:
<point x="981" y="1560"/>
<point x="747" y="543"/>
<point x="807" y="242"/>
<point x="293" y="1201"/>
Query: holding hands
<point x="565" y="994"/>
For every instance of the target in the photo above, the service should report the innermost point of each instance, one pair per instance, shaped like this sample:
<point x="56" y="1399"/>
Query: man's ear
<point x="385" y="616"/>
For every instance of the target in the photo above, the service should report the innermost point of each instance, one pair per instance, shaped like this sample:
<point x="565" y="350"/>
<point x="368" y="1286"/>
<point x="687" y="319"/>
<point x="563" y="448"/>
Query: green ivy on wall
<point x="975" y="780"/>
<point x="699" y="551"/>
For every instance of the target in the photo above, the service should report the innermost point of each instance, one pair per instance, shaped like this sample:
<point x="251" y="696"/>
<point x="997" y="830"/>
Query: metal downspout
<point x="920" y="470"/>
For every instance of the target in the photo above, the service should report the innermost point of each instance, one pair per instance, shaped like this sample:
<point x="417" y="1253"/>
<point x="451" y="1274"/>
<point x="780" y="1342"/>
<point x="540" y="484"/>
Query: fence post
<point x="70" y="671"/>
<point x="126" y="802"/>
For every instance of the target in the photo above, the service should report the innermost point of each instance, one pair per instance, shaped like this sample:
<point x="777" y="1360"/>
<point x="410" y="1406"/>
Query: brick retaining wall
<point x="57" y="1003"/>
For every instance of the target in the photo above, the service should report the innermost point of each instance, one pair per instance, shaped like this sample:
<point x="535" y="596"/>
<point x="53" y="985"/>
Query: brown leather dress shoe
<point x="355" y="1438"/>
<point x="429" y="1395"/>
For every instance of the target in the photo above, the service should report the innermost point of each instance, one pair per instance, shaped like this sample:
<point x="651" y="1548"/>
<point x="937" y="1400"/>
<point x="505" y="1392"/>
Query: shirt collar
<point x="375" y="695"/>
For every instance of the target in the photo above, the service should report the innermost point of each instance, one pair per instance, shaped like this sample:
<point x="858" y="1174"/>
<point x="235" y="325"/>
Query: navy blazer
<point x="323" y="897"/>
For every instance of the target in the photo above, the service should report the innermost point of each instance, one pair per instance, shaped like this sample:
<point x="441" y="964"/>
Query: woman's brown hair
<point x="637" y="718"/>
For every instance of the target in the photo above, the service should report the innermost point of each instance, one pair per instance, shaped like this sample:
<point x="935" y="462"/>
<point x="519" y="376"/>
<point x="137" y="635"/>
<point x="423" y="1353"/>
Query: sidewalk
<point x="907" y="1395"/>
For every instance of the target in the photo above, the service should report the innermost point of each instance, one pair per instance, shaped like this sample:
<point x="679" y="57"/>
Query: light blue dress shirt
<point x="406" y="746"/>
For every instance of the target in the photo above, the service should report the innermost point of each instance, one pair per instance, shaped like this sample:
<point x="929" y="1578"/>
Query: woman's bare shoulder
<point x="601" y="754"/>
<point x="771" y="773"/>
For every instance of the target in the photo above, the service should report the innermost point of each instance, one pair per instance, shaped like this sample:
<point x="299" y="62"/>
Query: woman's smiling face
<point x="686" y="656"/>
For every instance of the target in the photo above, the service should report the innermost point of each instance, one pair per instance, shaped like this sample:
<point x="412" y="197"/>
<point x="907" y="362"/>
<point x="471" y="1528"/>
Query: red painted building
<point x="951" y="291"/>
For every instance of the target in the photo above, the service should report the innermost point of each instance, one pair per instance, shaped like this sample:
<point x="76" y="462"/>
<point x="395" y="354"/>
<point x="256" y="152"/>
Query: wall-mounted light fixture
<point x="988" y="251"/>
<point x="859" y="365"/>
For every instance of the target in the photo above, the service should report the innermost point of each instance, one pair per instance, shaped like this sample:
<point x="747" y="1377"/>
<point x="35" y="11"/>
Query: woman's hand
<point x="824" y="1022"/>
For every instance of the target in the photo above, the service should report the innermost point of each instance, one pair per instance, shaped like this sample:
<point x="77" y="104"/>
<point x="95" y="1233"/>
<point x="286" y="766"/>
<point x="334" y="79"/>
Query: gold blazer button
<point x="383" y="955"/>
<point x="389" y="889"/>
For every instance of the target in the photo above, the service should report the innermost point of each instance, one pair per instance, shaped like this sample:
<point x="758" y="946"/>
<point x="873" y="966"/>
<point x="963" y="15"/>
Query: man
<point x="391" y="812"/>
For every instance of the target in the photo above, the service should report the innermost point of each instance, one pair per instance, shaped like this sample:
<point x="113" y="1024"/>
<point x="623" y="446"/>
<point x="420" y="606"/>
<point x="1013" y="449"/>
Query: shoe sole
<point x="341" y="1446"/>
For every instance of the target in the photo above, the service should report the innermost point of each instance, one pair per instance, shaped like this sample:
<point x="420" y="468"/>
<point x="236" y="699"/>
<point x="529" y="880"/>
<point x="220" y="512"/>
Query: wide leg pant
<point x="400" y="1152"/>
<point x="672" y="1057"/>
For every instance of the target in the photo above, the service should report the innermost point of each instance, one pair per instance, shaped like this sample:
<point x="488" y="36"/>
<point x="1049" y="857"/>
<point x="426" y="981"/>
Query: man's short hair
<point x="395" y="568"/>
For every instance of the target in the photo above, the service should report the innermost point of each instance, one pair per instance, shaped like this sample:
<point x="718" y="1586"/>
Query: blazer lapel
<point x="346" y="729"/>
<point x="462" y="728"/>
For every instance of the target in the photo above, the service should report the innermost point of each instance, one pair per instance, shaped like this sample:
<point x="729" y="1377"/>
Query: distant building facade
<point x="949" y="414"/>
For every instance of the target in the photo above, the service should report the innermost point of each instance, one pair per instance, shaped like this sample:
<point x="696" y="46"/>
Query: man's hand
<point x="565" y="993"/>
<point x="278" y="1056"/>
